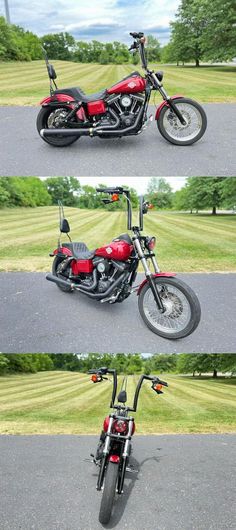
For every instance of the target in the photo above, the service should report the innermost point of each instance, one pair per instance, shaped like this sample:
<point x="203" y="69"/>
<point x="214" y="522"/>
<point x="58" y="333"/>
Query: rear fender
<point x="157" y="275"/>
<point x="166" y="104"/>
<point x="57" y="98"/>
<point x="62" y="250"/>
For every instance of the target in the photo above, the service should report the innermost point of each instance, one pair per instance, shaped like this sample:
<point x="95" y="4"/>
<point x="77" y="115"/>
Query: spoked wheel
<point x="49" y="118"/>
<point x="57" y="271"/>
<point x="172" y="129"/>
<point x="109" y="491"/>
<point x="182" y="309"/>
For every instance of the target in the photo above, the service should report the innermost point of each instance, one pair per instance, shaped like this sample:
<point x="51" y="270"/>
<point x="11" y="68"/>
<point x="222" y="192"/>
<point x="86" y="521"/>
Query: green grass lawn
<point x="185" y="243"/>
<point x="26" y="83"/>
<point x="69" y="403"/>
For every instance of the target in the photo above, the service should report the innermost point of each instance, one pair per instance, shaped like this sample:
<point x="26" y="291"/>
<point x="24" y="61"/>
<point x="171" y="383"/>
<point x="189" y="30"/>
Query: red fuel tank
<point x="130" y="85"/>
<point x="119" y="250"/>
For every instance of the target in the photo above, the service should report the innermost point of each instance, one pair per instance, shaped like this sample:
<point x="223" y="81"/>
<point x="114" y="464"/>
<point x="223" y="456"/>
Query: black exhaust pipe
<point x="73" y="286"/>
<point x="91" y="131"/>
<point x="59" y="281"/>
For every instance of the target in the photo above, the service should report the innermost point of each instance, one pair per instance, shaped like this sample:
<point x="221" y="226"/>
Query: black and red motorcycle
<point x="114" y="447"/>
<point x="167" y="305"/>
<point x="120" y="110"/>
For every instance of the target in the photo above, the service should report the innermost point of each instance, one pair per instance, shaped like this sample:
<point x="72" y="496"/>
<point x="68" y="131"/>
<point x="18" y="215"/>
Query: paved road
<point x="24" y="153"/>
<point x="36" y="316"/>
<point x="185" y="482"/>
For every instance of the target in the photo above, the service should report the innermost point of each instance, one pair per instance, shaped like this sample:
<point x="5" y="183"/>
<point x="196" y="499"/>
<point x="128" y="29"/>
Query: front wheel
<point x="109" y="491"/>
<point x="182" y="308"/>
<point x="172" y="129"/>
<point x="50" y="118"/>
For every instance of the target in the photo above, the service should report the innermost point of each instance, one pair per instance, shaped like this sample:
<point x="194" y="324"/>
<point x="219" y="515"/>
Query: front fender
<point x="166" y="104"/>
<point x="157" y="275"/>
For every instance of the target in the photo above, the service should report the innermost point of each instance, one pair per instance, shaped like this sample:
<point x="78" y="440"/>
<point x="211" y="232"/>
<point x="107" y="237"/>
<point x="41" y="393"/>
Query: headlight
<point x="159" y="75"/>
<point x="150" y="243"/>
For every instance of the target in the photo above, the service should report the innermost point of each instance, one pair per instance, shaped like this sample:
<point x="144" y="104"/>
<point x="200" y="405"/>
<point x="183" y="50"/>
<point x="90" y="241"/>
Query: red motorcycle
<point x="114" y="448"/>
<point x="107" y="274"/>
<point x="120" y="110"/>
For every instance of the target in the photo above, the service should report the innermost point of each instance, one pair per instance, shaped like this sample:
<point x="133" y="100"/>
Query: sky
<point x="139" y="183"/>
<point x="104" y="20"/>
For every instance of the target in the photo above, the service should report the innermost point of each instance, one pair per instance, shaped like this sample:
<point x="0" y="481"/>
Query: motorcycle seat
<point x="79" y="250"/>
<point x="78" y="94"/>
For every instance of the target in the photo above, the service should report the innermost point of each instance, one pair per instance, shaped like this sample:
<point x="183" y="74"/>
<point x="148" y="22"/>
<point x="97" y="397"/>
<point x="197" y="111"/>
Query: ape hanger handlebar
<point x="115" y="193"/>
<point x="100" y="373"/>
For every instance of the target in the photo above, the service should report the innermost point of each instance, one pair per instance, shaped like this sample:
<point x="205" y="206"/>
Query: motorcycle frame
<point x="88" y="127"/>
<point x="122" y="441"/>
<point x="141" y="254"/>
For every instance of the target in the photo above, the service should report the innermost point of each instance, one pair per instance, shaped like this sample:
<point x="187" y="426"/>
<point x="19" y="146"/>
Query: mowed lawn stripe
<point x="27" y="83"/>
<point x="184" y="242"/>
<point x="186" y="406"/>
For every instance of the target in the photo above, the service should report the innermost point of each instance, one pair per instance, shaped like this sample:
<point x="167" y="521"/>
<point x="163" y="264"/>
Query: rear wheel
<point x="172" y="129"/>
<point x="49" y="118"/>
<point x="182" y="308"/>
<point x="57" y="271"/>
<point x="109" y="491"/>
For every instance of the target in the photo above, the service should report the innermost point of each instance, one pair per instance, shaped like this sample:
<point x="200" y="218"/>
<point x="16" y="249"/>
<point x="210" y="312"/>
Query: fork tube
<point x="125" y="456"/>
<point x="155" y="264"/>
<point x="148" y="274"/>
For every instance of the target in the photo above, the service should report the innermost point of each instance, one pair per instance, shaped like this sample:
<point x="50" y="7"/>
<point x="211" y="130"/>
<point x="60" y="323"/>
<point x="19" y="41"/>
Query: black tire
<point x="109" y="491"/>
<point x="42" y="123"/>
<point x="194" y="305"/>
<point x="164" y="133"/>
<point x="56" y="262"/>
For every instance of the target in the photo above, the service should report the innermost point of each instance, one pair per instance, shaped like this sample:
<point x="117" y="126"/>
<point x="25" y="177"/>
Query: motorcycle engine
<point x="126" y="107"/>
<point x="107" y="273"/>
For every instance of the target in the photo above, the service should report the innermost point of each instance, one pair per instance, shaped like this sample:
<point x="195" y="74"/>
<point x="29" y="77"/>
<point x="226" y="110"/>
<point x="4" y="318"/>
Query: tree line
<point x="17" y="44"/>
<point x="203" y="30"/>
<point x="199" y="193"/>
<point x="194" y="364"/>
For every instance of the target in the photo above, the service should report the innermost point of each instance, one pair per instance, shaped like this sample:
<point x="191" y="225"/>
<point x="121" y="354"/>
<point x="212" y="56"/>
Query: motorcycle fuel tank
<point x="118" y="250"/>
<point x="129" y="85"/>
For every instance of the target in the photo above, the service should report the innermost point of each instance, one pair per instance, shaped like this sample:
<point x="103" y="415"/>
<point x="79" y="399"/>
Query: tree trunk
<point x="197" y="62"/>
<point x="213" y="210"/>
<point x="214" y="373"/>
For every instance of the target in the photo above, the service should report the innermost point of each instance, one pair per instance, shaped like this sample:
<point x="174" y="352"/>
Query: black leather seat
<point x="79" y="250"/>
<point x="78" y="94"/>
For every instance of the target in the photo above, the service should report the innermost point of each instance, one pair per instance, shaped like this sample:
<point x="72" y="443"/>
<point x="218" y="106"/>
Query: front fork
<point x="167" y="98"/>
<point x="148" y="273"/>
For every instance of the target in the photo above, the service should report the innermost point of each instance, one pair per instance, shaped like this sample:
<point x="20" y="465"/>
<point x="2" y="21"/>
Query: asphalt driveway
<point x="23" y="152"/>
<point x="184" y="482"/>
<point x="36" y="316"/>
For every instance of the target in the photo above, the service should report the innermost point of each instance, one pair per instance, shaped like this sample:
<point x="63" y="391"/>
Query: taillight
<point x="150" y="243"/>
<point x="120" y="426"/>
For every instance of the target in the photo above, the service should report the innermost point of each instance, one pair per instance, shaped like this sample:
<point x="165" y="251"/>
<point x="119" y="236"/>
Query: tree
<point x="59" y="45"/>
<point x="204" y="29"/>
<point x="159" y="192"/>
<point x="63" y="189"/>
<point x="23" y="191"/>
<point x="200" y="193"/>
<point x="153" y="49"/>
<point x="228" y="192"/>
